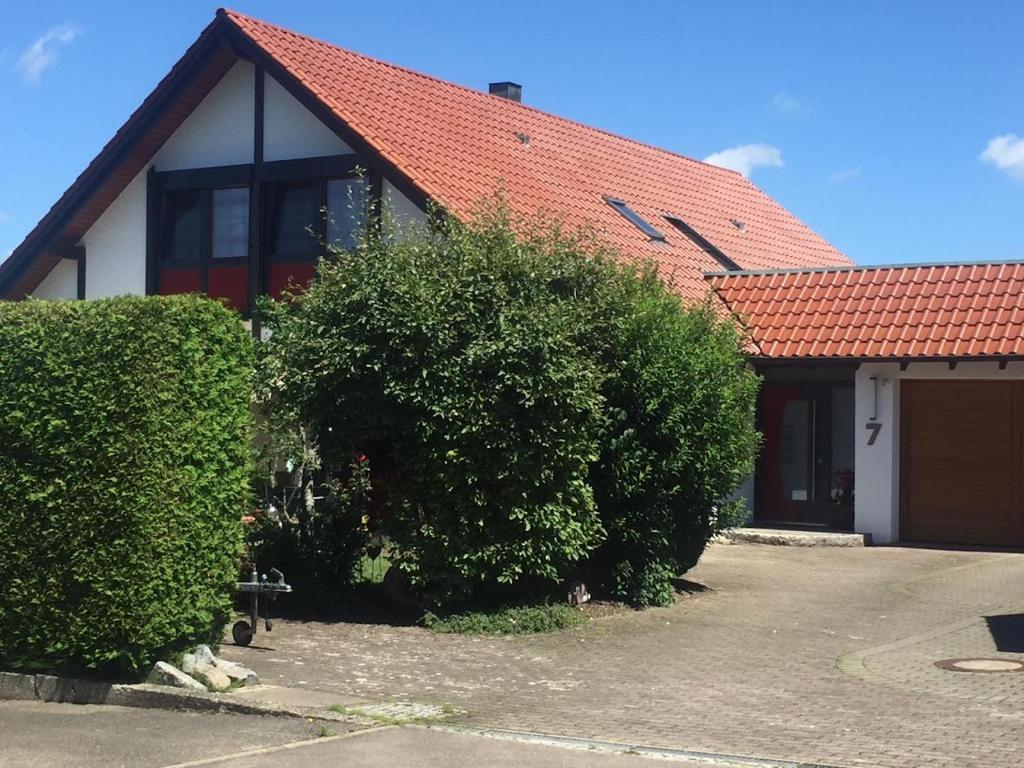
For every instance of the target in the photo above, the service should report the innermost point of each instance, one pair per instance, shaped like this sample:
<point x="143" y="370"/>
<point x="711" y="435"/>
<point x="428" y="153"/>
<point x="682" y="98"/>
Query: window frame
<point x="622" y="208"/>
<point x="259" y="178"/>
<point x="702" y="242"/>
<point x="270" y="223"/>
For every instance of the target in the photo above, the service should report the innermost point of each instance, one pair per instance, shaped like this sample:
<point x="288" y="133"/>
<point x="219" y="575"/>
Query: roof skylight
<point x="634" y="218"/>
<point x="702" y="242"/>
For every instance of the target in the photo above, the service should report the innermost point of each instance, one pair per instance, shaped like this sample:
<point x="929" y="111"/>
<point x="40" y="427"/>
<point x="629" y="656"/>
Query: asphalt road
<point x="35" y="734"/>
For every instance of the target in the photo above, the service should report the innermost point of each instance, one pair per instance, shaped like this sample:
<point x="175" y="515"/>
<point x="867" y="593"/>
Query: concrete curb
<point x="788" y="538"/>
<point x="50" y="688"/>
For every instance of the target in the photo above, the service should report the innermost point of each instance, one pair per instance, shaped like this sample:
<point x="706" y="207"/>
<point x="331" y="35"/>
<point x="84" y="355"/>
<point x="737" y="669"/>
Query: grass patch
<point x="523" y="620"/>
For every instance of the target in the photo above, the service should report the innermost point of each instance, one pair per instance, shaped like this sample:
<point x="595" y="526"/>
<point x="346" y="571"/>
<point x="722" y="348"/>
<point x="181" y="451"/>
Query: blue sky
<point x="890" y="128"/>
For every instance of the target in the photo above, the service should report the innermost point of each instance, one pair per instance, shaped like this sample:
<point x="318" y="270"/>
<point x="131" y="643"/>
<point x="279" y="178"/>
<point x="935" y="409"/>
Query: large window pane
<point x="184" y="226"/>
<point x="230" y="223"/>
<point x="346" y="211"/>
<point x="297" y="221"/>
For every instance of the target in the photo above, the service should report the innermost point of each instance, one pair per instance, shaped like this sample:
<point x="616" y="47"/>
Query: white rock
<point x="167" y="674"/>
<point x="200" y="657"/>
<point x="237" y="672"/>
<point x="214" y="678"/>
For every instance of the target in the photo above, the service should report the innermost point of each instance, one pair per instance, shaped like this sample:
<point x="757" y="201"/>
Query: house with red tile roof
<point x="259" y="135"/>
<point x="893" y="398"/>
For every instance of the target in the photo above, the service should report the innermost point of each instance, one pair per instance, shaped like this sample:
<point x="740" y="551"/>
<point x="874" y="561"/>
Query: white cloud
<point x="5" y="217"/>
<point x="747" y="157"/>
<point x="1007" y="154"/>
<point x="42" y="54"/>
<point x="789" y="105"/>
<point x="844" y="175"/>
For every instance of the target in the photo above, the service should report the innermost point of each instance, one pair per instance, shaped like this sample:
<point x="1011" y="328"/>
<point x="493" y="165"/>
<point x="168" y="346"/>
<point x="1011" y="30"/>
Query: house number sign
<point x="873" y="428"/>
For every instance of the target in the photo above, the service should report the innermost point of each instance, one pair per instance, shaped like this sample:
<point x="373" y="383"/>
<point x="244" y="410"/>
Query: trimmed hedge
<point x="125" y="431"/>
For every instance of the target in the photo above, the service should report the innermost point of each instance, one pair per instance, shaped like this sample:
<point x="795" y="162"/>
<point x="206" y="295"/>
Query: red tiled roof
<point x="457" y="144"/>
<point x="940" y="311"/>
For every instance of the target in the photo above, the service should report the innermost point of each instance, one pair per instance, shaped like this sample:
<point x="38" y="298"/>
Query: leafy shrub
<point x="459" y="365"/>
<point x="525" y="397"/>
<point x="677" y="441"/>
<point x="316" y="534"/>
<point x="124" y="448"/>
<point x="507" y="621"/>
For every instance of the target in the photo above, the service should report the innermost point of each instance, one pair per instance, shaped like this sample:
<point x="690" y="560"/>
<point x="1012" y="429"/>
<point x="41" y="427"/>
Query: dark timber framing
<point x="79" y="251"/>
<point x="256" y="280"/>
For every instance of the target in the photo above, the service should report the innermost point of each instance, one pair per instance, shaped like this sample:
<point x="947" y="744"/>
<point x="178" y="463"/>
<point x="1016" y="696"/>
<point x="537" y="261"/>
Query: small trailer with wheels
<point x="242" y="632"/>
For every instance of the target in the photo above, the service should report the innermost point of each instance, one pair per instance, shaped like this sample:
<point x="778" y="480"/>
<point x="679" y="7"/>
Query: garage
<point x="961" y="469"/>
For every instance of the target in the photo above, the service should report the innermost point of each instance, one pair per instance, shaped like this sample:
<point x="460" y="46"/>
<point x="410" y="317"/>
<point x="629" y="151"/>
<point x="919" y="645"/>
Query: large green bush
<point x="124" y="449"/>
<point x="458" y="363"/>
<point x="678" y="438"/>
<point x="502" y="375"/>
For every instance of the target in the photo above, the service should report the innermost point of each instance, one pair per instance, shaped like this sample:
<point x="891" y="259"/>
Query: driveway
<point x="819" y="655"/>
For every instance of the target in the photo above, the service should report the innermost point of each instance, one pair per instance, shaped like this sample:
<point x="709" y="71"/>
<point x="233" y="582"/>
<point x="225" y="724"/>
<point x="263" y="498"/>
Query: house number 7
<point x="874" y="427"/>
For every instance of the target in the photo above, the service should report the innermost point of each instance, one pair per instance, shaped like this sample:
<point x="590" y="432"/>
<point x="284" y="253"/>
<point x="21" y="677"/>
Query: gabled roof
<point x="456" y="145"/>
<point x="943" y="311"/>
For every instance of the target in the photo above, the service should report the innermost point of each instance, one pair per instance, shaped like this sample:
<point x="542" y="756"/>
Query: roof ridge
<point x="229" y="13"/>
<point x="864" y="267"/>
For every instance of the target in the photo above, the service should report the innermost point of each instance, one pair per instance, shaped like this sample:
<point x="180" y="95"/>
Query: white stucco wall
<point x="115" y="245"/>
<point x="61" y="283"/>
<point x="877" y="492"/>
<point x="291" y="131"/>
<point x="219" y="131"/>
<point x="400" y="214"/>
<point x="876" y="467"/>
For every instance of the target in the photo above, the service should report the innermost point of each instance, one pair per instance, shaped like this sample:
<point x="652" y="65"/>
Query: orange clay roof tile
<point x="458" y="145"/>
<point x="933" y="311"/>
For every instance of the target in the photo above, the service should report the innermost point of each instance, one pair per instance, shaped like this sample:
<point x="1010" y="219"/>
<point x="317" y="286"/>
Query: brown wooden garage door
<point x="961" y="474"/>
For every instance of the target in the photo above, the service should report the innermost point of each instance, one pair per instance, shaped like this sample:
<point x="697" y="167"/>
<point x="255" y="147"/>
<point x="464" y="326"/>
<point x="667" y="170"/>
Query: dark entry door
<point x="794" y="473"/>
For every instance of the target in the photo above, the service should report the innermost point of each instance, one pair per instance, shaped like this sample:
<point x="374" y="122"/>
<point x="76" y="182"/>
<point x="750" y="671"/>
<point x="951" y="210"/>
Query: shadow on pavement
<point x="1007" y="632"/>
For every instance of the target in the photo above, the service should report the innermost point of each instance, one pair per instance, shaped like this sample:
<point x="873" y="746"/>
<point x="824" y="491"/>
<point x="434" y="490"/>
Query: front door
<point x="805" y="434"/>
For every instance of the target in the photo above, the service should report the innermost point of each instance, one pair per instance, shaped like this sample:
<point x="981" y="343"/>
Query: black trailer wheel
<point x="241" y="632"/>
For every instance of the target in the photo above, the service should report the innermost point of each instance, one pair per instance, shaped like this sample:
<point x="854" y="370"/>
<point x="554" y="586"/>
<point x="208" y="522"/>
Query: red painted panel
<point x="231" y="283"/>
<point x="285" y="272"/>
<point x="179" y="280"/>
<point x="774" y="506"/>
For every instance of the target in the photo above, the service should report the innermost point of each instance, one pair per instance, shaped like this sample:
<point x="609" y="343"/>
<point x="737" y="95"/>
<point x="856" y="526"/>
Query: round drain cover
<point x="981" y="665"/>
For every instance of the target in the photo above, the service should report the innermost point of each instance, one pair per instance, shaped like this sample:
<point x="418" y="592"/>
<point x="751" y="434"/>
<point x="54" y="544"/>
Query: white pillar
<point x="876" y="470"/>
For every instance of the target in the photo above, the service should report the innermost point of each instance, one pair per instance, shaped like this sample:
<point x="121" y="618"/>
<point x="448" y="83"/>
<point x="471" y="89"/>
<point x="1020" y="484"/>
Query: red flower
<point x="361" y="458"/>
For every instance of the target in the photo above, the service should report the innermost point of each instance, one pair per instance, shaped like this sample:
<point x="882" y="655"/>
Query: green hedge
<point x="124" y="465"/>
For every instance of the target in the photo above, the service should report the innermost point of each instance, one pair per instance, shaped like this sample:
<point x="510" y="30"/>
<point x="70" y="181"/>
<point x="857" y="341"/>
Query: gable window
<point x="634" y="218"/>
<point x="230" y="223"/>
<point x="204" y="239"/>
<point x="307" y="217"/>
<point x="308" y="214"/>
<point x="236" y="231"/>
<point x="184" y="226"/>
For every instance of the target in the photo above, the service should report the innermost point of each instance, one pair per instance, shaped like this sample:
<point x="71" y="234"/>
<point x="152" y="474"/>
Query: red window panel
<point x="179" y="280"/>
<point x="231" y="283"/>
<point x="284" y="273"/>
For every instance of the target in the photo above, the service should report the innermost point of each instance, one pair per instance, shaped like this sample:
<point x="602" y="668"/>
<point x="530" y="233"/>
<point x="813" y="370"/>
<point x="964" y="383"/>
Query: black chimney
<point x="507" y="90"/>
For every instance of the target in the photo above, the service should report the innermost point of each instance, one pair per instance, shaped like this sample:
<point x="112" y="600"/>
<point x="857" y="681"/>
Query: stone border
<point x="785" y="537"/>
<point x="24" y="687"/>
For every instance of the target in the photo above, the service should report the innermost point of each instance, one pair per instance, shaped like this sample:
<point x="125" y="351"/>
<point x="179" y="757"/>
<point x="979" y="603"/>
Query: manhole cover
<point x="981" y="665"/>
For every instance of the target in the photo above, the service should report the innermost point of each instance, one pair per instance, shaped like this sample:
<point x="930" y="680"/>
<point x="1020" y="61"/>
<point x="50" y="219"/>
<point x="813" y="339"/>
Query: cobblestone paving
<point x="818" y="655"/>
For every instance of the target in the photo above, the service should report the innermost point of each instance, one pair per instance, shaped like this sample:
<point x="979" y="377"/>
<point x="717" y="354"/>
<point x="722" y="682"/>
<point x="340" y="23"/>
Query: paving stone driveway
<point x="818" y="655"/>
